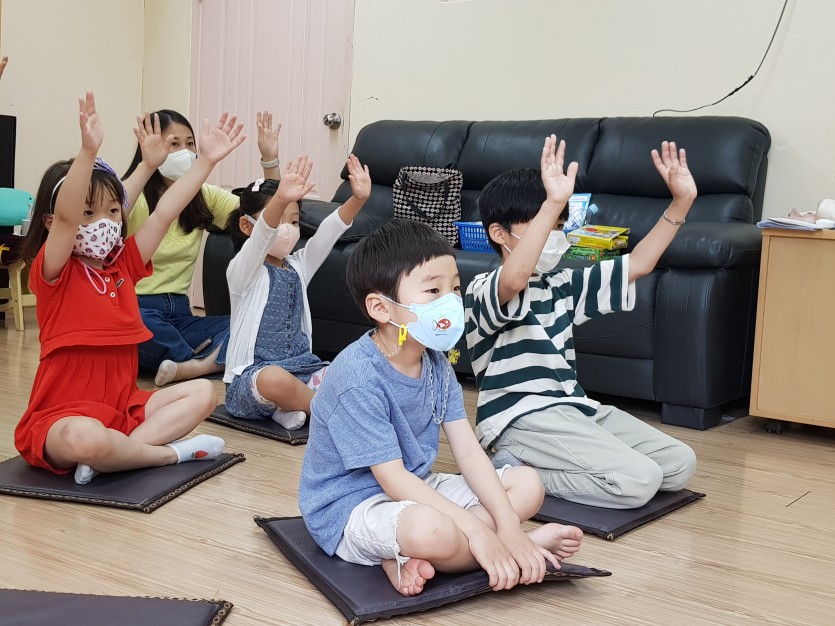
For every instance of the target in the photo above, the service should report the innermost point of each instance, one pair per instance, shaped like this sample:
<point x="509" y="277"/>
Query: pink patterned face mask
<point x="98" y="239"/>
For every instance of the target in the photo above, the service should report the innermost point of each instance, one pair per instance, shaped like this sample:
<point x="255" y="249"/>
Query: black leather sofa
<point x="688" y="343"/>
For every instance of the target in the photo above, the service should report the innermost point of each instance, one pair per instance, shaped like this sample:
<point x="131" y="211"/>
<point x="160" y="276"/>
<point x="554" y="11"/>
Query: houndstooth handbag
<point x="431" y="195"/>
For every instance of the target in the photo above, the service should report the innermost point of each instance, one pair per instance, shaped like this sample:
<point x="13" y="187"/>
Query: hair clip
<point x="257" y="184"/>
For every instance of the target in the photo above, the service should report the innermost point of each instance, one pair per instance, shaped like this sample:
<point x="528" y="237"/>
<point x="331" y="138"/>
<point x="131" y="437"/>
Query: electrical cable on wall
<point x="747" y="80"/>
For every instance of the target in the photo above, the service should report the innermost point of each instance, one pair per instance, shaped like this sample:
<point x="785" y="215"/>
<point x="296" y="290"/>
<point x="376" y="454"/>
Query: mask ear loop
<point x="402" y="334"/>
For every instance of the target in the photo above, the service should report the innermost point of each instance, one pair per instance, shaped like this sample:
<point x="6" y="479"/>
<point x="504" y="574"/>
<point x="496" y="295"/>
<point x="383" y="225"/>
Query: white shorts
<point x="371" y="532"/>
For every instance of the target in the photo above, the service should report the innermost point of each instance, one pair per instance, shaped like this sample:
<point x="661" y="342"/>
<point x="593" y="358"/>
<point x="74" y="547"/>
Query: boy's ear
<point x="377" y="308"/>
<point x="497" y="233"/>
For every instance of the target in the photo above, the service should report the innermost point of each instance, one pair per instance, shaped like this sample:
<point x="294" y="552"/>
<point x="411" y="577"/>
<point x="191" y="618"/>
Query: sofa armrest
<point x="700" y="245"/>
<point x="217" y="254"/>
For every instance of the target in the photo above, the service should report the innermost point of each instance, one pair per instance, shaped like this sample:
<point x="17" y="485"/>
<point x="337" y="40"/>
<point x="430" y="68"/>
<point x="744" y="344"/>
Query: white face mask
<point x="176" y="164"/>
<point x="96" y="240"/>
<point x="286" y="239"/>
<point x="552" y="252"/>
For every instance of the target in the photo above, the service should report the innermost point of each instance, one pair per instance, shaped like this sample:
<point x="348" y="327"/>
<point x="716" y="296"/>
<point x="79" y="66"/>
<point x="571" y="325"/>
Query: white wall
<point x="166" y="76"/>
<point x="534" y="59"/>
<point x="57" y="50"/>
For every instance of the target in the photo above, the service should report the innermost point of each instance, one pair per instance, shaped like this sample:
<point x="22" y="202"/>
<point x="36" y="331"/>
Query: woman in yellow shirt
<point x="184" y="346"/>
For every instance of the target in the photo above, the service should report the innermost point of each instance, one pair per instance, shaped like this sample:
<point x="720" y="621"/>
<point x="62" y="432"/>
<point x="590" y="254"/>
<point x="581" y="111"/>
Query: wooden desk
<point x="794" y="343"/>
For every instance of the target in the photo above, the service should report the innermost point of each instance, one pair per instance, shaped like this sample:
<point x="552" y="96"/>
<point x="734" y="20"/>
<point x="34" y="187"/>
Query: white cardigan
<point x="249" y="286"/>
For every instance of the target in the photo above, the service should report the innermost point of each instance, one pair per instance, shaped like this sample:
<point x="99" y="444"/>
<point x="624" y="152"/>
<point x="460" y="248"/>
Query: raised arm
<point x="672" y="165"/>
<point x="268" y="144"/>
<point x="71" y="200"/>
<point x="213" y="146"/>
<point x="360" y="181"/>
<point x="292" y="188"/>
<point x="3" y="62"/>
<point x="155" y="149"/>
<point x="559" y="186"/>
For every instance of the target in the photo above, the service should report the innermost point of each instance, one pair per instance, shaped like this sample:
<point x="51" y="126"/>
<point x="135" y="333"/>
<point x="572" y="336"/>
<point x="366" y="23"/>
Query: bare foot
<point x="562" y="541"/>
<point x="413" y="575"/>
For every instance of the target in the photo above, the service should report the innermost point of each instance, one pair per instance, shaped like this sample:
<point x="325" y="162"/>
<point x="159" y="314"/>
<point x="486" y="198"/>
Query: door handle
<point x="332" y="121"/>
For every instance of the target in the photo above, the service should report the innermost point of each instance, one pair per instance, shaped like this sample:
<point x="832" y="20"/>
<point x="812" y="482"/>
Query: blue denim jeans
<point x="179" y="335"/>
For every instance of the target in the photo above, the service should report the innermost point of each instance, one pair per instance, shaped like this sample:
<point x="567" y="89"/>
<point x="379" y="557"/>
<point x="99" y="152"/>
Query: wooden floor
<point x="760" y="549"/>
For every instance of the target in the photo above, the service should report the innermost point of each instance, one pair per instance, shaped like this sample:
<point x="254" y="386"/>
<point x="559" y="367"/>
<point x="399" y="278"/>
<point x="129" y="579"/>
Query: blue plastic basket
<point x="473" y="237"/>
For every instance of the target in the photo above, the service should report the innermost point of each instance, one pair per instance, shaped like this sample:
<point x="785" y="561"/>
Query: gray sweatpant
<point x="610" y="459"/>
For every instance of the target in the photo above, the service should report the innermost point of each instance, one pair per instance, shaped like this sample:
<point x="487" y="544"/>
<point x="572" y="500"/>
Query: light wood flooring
<point x="760" y="549"/>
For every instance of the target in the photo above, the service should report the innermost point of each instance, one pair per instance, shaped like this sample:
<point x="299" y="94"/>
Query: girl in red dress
<point x="85" y="410"/>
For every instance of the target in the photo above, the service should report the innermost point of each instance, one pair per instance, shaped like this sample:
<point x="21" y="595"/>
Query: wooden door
<point x="292" y="57"/>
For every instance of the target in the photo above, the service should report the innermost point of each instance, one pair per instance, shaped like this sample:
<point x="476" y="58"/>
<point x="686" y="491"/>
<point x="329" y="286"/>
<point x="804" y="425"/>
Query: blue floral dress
<point x="281" y="341"/>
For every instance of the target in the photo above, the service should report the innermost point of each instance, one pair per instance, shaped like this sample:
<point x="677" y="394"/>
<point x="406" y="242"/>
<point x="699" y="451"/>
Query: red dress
<point x="89" y="341"/>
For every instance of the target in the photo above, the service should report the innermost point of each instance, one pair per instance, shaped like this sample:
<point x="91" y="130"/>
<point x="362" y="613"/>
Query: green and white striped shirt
<point x="523" y="352"/>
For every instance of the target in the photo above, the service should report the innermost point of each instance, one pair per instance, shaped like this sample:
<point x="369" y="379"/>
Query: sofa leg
<point x="690" y="417"/>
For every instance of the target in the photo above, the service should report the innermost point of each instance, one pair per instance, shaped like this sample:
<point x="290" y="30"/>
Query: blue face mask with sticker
<point x="439" y="323"/>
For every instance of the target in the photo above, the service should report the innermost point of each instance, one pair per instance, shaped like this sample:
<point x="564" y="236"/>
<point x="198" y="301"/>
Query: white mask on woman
<point x="176" y="164"/>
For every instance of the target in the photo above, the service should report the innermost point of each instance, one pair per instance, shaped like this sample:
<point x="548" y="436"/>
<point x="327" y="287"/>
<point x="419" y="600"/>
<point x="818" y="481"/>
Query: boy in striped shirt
<point x="531" y="409"/>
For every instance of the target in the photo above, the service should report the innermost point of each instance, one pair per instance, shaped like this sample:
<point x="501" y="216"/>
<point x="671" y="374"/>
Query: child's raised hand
<point x="294" y="185"/>
<point x="154" y="147"/>
<point x="559" y="185"/>
<point x="359" y="178"/>
<point x="215" y="143"/>
<point x="92" y="134"/>
<point x="267" y="137"/>
<point x="3" y="62"/>
<point x="672" y="165"/>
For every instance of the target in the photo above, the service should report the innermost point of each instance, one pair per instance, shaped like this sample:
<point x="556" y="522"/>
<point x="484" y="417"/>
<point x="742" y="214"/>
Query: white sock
<point x="84" y="474"/>
<point x="291" y="420"/>
<point x="166" y="373"/>
<point x="201" y="447"/>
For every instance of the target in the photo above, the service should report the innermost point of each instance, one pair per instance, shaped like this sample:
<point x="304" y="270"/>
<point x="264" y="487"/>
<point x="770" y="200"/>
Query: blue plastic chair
<point x="15" y="205"/>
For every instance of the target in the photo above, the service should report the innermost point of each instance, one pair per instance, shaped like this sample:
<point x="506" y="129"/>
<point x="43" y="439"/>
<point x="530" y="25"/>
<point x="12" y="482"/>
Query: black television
<point x="8" y="126"/>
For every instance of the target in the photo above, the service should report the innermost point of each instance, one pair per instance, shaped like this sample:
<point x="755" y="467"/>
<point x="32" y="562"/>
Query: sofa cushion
<point x="493" y="148"/>
<point x="723" y="153"/>
<point x="627" y="334"/>
<point x="388" y="145"/>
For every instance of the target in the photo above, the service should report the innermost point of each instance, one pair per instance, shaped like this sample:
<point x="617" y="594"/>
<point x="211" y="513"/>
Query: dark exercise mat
<point x="144" y="489"/>
<point x="36" y="608"/>
<point x="263" y="428"/>
<point x="612" y="523"/>
<point x="364" y="594"/>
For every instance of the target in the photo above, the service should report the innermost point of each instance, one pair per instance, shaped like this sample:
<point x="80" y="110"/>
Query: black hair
<point x="196" y="215"/>
<point x="514" y="197"/>
<point x="381" y="259"/>
<point x="102" y="184"/>
<point x="251" y="203"/>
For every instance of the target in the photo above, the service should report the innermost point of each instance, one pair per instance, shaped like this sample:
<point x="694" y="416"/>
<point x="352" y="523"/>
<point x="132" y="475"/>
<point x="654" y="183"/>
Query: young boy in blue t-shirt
<point x="531" y="409"/>
<point x="367" y="491"/>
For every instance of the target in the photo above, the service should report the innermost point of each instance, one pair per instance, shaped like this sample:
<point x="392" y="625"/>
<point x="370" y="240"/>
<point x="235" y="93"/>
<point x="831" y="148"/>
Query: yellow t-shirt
<point x="175" y="258"/>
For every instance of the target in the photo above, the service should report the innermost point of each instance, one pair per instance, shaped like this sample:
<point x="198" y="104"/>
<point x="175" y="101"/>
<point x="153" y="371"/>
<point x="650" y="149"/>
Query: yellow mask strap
<point x="402" y="334"/>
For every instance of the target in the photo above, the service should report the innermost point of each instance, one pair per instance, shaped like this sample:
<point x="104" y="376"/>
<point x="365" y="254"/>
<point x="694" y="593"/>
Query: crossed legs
<point x="434" y="542"/>
<point x="170" y="414"/>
